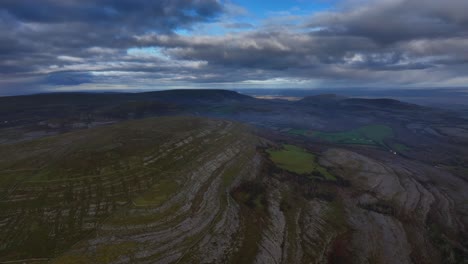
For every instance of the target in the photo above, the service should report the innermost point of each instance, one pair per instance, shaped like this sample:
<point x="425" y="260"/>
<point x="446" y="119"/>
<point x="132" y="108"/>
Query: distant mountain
<point x="67" y="109"/>
<point x="322" y="99"/>
<point x="91" y="98"/>
<point x="355" y="103"/>
<point x="195" y="96"/>
<point x="379" y="103"/>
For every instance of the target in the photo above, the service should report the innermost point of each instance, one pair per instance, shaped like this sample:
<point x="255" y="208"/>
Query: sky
<point x="135" y="45"/>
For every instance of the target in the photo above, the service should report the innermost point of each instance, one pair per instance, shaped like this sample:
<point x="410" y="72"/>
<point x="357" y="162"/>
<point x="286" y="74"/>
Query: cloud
<point x="137" y="14"/>
<point x="49" y="31"/>
<point x="389" y="21"/>
<point x="68" y="78"/>
<point x="238" y="25"/>
<point x="135" y="43"/>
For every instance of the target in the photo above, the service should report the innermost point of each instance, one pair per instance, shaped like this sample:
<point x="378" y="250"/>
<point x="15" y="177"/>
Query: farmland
<point x="372" y="135"/>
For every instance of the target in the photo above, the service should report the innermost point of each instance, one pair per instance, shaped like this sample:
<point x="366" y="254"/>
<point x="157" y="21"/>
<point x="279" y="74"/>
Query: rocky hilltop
<point x="136" y="192"/>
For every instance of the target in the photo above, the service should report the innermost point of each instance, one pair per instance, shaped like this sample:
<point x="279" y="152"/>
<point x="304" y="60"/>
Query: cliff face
<point x="137" y="192"/>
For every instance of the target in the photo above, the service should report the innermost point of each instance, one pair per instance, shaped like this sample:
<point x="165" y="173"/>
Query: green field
<point x="366" y="135"/>
<point x="400" y="147"/>
<point x="301" y="132"/>
<point x="298" y="160"/>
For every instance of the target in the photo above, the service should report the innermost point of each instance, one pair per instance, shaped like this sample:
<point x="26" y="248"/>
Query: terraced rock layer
<point x="134" y="191"/>
<point x="401" y="211"/>
<point x="195" y="190"/>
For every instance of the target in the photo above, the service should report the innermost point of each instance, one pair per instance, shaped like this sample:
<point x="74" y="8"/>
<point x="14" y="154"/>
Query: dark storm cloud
<point x="389" y="21"/>
<point x="387" y="41"/>
<point x="377" y="35"/>
<point x="50" y="28"/>
<point x="288" y="54"/>
<point x="267" y="50"/>
<point x="135" y="42"/>
<point x="68" y="78"/>
<point x="131" y="14"/>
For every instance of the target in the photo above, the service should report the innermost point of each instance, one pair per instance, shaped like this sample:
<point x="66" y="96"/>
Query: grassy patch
<point x="400" y="147"/>
<point x="104" y="254"/>
<point x="336" y="216"/>
<point x="228" y="109"/>
<point x="300" y="161"/>
<point x="124" y="218"/>
<point x="232" y="171"/>
<point x="377" y="133"/>
<point x="365" y="135"/>
<point x="291" y="204"/>
<point x="450" y="254"/>
<point x="301" y="132"/>
<point x="323" y="173"/>
<point x="294" y="159"/>
<point x="251" y="196"/>
<point x="111" y="252"/>
<point x="158" y="193"/>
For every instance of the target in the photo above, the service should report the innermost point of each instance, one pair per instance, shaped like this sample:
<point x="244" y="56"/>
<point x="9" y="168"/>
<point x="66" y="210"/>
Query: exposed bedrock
<point x="392" y="207"/>
<point x="210" y="194"/>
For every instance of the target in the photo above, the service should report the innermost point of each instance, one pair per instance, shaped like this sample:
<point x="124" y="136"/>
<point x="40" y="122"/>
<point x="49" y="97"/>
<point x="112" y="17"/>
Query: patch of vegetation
<point x="252" y="194"/>
<point x="300" y="161"/>
<point x="333" y="225"/>
<point x="104" y="254"/>
<point x="450" y="253"/>
<point x="300" y="132"/>
<point x="226" y="109"/>
<point x="336" y="215"/>
<point x="124" y="218"/>
<point x="366" y="135"/>
<point x="373" y="135"/>
<point x="109" y="253"/>
<point x="290" y="205"/>
<point x="294" y="159"/>
<point x="340" y="251"/>
<point x="56" y="191"/>
<point x="320" y="193"/>
<point x="400" y="147"/>
<point x="232" y="171"/>
<point x="158" y="193"/>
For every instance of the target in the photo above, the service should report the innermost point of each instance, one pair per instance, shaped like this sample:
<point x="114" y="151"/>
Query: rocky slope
<point x="136" y="192"/>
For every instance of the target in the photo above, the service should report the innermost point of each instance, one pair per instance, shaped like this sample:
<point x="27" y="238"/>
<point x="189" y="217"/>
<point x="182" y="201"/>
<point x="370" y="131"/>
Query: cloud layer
<point x="81" y="44"/>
